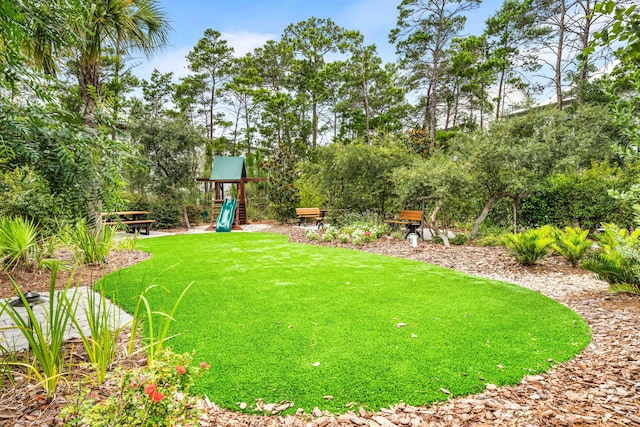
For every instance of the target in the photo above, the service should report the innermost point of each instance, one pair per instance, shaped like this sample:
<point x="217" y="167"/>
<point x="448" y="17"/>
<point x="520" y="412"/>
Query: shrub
<point x="166" y="212"/>
<point x="617" y="259"/>
<point x="311" y="234"/>
<point x="194" y="212"/>
<point x="572" y="244"/>
<point x="330" y="234"/>
<point x="459" y="239"/>
<point x="397" y="234"/>
<point x="88" y="245"/>
<point x="18" y="240"/>
<point x="492" y="236"/>
<point x="24" y="193"/>
<point x="529" y="246"/>
<point x="343" y="238"/>
<point x="156" y="395"/>
<point x="45" y="340"/>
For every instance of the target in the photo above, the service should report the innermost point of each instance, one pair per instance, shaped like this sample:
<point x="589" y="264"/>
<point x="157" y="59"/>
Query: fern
<point x="572" y="244"/>
<point x="529" y="246"/>
<point x="617" y="260"/>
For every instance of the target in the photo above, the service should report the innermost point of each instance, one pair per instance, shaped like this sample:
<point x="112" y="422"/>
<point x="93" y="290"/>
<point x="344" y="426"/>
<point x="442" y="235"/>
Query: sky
<point x="248" y="24"/>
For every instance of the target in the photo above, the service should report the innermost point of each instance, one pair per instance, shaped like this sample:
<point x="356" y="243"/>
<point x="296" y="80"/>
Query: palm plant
<point x="572" y="244"/>
<point x="18" y="240"/>
<point x="121" y="24"/>
<point x="617" y="259"/>
<point x="529" y="246"/>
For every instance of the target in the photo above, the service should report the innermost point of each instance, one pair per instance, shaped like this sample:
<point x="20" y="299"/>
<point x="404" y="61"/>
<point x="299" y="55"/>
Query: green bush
<point x="194" y="212"/>
<point x="572" y="244"/>
<point x="157" y="395"/>
<point x="617" y="259"/>
<point x="25" y="194"/>
<point x="530" y="246"/>
<point x="459" y="239"/>
<point x="581" y="198"/>
<point x="18" y="240"/>
<point x="491" y="236"/>
<point x="167" y="213"/>
<point x="88" y="245"/>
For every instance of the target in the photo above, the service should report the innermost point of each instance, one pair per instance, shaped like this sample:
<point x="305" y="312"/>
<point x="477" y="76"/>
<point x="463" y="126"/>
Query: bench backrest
<point x="411" y="216"/>
<point x="308" y="211"/>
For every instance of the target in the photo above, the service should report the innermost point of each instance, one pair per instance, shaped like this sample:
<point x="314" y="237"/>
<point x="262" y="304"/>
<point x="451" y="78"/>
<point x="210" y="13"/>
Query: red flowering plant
<point x="156" y="395"/>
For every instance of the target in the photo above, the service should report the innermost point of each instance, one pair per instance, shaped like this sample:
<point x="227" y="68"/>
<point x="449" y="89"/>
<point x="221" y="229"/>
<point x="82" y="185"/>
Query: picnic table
<point x="136" y="221"/>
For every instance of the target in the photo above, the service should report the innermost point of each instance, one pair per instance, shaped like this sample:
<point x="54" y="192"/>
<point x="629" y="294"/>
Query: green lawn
<point x="285" y="321"/>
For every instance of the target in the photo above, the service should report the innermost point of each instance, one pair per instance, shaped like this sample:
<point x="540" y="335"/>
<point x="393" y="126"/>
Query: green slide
<point x="227" y="215"/>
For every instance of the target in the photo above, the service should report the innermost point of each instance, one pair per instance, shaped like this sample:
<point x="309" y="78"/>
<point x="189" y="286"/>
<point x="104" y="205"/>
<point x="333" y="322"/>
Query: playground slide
<point x="227" y="215"/>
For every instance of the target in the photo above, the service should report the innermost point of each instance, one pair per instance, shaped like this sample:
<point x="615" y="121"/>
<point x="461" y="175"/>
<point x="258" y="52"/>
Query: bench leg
<point x="303" y="222"/>
<point x="320" y="223"/>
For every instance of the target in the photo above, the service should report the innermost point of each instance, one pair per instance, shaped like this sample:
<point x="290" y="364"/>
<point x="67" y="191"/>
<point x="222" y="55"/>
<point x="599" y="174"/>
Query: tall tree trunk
<point x="365" y="91"/>
<point x="434" y="101"/>
<point x="211" y="104"/>
<point x="247" y="123"/>
<point x="558" y="78"/>
<point x="314" y="120"/>
<point x="456" y="105"/>
<point x="90" y="89"/>
<point x="500" y="92"/>
<point x="483" y="215"/>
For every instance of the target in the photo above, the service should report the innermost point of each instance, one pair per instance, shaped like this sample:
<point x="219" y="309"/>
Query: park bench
<point x="315" y="213"/>
<point x="410" y="219"/>
<point x="134" y="220"/>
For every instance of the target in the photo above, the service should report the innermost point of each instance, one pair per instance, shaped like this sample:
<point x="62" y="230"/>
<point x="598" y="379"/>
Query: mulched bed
<point x="601" y="386"/>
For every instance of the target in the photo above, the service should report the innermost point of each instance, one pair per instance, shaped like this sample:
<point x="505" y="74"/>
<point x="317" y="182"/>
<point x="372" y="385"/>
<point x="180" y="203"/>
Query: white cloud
<point x="244" y="42"/>
<point x="172" y="60"/>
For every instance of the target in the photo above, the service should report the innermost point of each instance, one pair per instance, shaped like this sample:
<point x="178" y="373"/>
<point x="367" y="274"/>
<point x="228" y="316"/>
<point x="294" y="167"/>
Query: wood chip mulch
<point x="601" y="386"/>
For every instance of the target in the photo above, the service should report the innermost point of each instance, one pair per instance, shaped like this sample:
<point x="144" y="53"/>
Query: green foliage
<point x="194" y="213"/>
<point x="18" y="241"/>
<point x="45" y="341"/>
<point x="459" y="239"/>
<point x="166" y="211"/>
<point x="157" y="395"/>
<point x="530" y="246"/>
<point x="88" y="245"/>
<point x="572" y="244"/>
<point x="282" y="192"/>
<point x="311" y="234"/>
<point x="169" y="155"/>
<point x="355" y="228"/>
<point x="581" y="197"/>
<point x="26" y="194"/>
<point x="358" y="177"/>
<point x="617" y="259"/>
<point x="63" y="153"/>
<point x="155" y="336"/>
<point x="101" y="340"/>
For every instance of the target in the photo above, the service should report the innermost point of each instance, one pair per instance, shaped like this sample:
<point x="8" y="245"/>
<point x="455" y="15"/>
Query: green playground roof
<point x="228" y="169"/>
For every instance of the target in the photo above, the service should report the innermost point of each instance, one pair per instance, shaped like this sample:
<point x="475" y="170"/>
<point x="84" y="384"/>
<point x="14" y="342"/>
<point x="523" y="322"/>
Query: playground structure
<point x="229" y="176"/>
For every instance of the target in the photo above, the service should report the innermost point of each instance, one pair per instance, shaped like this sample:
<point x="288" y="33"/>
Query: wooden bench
<point x="315" y="213"/>
<point x="410" y="219"/>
